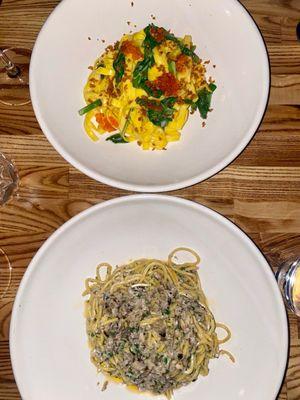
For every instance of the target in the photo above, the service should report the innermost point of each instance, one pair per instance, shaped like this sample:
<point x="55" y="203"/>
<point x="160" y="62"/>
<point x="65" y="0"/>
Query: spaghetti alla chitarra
<point x="149" y="325"/>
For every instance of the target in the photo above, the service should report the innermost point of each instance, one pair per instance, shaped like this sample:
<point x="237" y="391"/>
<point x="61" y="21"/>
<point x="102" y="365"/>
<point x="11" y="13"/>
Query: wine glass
<point x="5" y="273"/>
<point x="14" y="76"/>
<point x="288" y="279"/>
<point x="9" y="181"/>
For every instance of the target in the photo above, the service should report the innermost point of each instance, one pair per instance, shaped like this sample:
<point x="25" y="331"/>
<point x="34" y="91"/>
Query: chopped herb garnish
<point x="166" y="360"/>
<point x="122" y="345"/>
<point x="135" y="349"/>
<point x="204" y="100"/>
<point x="89" y="107"/>
<point x="133" y="329"/>
<point x="166" y="311"/>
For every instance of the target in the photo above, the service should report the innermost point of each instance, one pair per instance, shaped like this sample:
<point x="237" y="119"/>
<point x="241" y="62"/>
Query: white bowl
<point x="48" y="342"/>
<point x="224" y="33"/>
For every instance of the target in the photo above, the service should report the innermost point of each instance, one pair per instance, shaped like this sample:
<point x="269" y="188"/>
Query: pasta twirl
<point x="149" y="325"/>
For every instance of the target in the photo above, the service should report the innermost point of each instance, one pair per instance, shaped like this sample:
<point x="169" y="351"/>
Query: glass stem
<point x="12" y="69"/>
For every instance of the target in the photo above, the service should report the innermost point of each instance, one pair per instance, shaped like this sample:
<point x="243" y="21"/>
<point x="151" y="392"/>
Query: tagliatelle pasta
<point x="142" y="89"/>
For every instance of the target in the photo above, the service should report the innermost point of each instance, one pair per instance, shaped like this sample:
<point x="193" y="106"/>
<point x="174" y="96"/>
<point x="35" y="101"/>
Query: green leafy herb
<point x="204" y="100"/>
<point x="172" y="67"/>
<point x="119" y="137"/>
<point x="191" y="103"/>
<point x="160" y="113"/>
<point x="151" y="90"/>
<point x="140" y="73"/>
<point x="90" y="107"/>
<point x="116" y="138"/>
<point x="169" y="102"/>
<point x="184" y="49"/>
<point x="150" y="42"/>
<point x="166" y="311"/>
<point x="119" y="66"/>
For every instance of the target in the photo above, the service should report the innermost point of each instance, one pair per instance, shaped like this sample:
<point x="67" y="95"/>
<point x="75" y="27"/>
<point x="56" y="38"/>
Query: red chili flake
<point x="203" y="124"/>
<point x="129" y="48"/>
<point x="168" y="84"/>
<point x="159" y="34"/>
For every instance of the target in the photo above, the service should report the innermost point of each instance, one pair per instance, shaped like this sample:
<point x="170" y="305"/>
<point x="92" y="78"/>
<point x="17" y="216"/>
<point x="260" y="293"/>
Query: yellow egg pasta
<point x="143" y="88"/>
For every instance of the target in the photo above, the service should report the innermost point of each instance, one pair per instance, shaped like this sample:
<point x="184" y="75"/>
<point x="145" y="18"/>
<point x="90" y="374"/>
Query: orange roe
<point x="168" y="84"/>
<point x="128" y="48"/>
<point x="109" y="124"/>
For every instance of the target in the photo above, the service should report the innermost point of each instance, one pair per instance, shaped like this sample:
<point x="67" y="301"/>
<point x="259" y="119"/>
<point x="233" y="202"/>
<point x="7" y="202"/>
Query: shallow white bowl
<point x="48" y="343"/>
<point x="224" y="33"/>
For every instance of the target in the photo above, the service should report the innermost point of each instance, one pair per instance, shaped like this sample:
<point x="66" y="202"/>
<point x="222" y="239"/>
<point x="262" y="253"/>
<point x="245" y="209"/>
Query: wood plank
<point x="285" y="90"/>
<point x="285" y="59"/>
<point x="38" y="215"/>
<point x="288" y="29"/>
<point x="18" y="121"/>
<point x="278" y="141"/>
<point x="26" y="19"/>
<point x="282" y="8"/>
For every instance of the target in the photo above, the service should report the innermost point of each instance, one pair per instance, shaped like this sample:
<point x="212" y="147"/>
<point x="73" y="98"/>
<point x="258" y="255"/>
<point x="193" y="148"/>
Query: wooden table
<point x="259" y="191"/>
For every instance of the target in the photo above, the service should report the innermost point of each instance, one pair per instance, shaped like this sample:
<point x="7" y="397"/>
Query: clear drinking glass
<point x="288" y="278"/>
<point x="5" y="273"/>
<point x="14" y="76"/>
<point x="9" y="181"/>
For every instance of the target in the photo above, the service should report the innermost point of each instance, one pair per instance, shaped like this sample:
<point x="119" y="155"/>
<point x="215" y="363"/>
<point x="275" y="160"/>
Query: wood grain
<point x="259" y="191"/>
